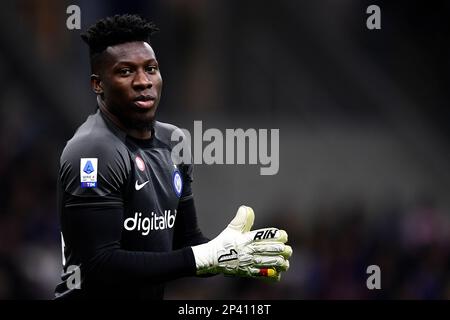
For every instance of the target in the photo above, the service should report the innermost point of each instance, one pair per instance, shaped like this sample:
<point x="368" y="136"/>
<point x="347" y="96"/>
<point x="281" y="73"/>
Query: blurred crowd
<point x="29" y="236"/>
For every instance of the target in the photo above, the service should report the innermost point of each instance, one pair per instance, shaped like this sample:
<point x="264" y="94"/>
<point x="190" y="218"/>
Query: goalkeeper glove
<point x="241" y="252"/>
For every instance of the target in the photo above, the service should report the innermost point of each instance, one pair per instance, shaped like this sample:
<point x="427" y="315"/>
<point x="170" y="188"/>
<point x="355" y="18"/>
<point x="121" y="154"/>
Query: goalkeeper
<point x="126" y="210"/>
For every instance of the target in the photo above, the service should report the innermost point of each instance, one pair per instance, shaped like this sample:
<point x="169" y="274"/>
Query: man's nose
<point x="142" y="80"/>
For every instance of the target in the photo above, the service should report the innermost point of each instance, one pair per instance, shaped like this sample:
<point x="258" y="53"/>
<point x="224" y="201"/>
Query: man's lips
<point x="144" y="102"/>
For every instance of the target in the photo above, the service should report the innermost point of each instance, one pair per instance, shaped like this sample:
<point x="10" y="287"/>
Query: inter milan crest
<point x="177" y="183"/>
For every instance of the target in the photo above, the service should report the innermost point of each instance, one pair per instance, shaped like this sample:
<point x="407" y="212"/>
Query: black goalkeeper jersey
<point x="126" y="211"/>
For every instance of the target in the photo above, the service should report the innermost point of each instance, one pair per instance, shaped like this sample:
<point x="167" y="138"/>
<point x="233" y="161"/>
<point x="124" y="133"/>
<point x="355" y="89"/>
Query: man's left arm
<point x="187" y="232"/>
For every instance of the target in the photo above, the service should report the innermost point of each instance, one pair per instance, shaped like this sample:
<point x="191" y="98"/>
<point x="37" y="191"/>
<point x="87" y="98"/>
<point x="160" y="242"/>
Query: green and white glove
<point x="240" y="252"/>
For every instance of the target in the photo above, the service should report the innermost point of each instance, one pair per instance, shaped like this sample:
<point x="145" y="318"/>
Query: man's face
<point x="131" y="83"/>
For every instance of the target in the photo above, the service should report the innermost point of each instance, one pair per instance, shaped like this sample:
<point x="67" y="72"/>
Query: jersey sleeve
<point x="186" y="165"/>
<point x="186" y="171"/>
<point x="93" y="173"/>
<point x="187" y="232"/>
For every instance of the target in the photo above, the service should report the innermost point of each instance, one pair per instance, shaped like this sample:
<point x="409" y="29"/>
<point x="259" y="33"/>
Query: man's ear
<point x="96" y="84"/>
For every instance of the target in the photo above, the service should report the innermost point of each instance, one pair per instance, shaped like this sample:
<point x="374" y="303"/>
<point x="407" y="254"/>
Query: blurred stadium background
<point x="364" y="136"/>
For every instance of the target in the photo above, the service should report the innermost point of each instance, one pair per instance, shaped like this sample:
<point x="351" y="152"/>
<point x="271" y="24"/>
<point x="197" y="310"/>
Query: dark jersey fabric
<point x="131" y="230"/>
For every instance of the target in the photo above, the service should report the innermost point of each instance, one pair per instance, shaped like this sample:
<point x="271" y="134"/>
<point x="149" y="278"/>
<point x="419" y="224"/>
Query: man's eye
<point x="151" y="69"/>
<point x="124" y="72"/>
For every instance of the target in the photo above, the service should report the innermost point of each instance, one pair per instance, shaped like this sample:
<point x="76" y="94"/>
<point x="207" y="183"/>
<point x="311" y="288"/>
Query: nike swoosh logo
<point x="138" y="186"/>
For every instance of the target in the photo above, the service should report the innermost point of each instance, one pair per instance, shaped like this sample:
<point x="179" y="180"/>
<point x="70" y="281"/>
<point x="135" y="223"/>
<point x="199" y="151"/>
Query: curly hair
<point x="116" y="30"/>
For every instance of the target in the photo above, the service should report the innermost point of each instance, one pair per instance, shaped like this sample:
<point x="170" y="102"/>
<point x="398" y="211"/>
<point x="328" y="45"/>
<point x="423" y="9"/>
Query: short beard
<point x="137" y="124"/>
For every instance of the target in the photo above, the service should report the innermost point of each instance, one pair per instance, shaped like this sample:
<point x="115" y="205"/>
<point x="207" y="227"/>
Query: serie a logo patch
<point x="88" y="172"/>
